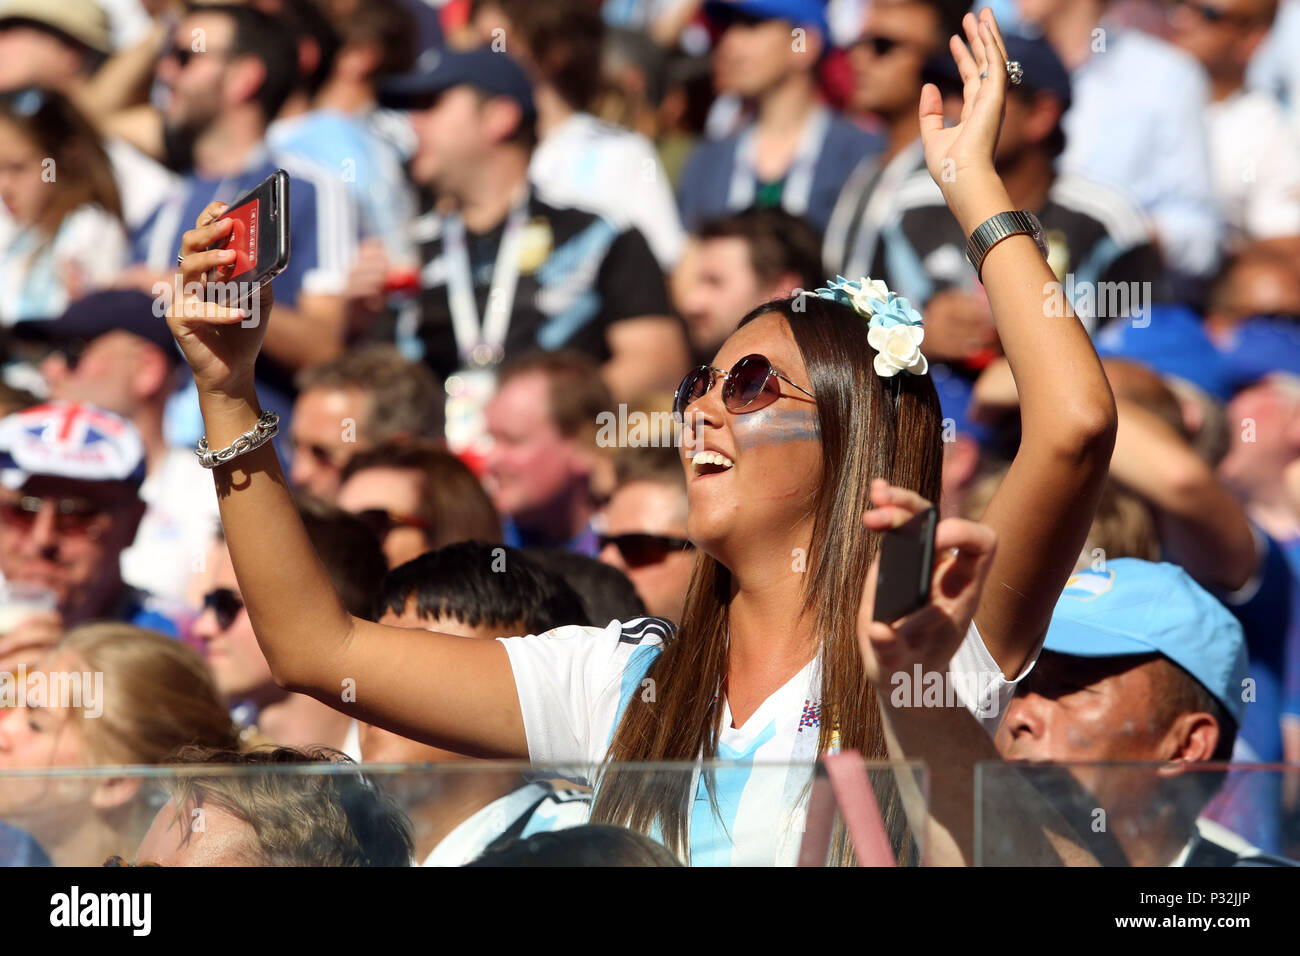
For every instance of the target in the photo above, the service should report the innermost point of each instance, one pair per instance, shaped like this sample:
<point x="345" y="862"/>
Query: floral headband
<point x="894" y="326"/>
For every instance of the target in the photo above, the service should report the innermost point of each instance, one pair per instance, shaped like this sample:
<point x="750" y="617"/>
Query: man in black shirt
<point x="502" y="272"/>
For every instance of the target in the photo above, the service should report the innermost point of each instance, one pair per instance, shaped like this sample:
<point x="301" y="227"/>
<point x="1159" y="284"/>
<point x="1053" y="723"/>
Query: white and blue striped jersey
<point x="575" y="682"/>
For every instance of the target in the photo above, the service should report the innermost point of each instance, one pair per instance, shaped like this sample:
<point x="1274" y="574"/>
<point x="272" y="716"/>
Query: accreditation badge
<point x="535" y="245"/>
<point x="468" y="392"/>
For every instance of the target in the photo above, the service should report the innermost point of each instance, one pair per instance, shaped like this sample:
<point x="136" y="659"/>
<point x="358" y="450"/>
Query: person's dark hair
<point x="389" y="26"/>
<point x="525" y="135"/>
<point x="660" y="464"/>
<point x="481" y="583"/>
<point x="83" y="172"/>
<point x="1054" y="144"/>
<point x="350" y="551"/>
<point x="301" y="819"/>
<point x="606" y="593"/>
<point x="309" y="23"/>
<point x="562" y="40"/>
<point x="593" y="844"/>
<point x="778" y="243"/>
<point x="576" y="390"/>
<point x="870" y="427"/>
<point x="452" y="501"/>
<point x="405" y="398"/>
<point x="267" y="39"/>
<point x="1176" y="692"/>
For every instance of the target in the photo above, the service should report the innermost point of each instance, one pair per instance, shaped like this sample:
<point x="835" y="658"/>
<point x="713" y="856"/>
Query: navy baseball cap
<point x="437" y="70"/>
<point x="1043" y="70"/>
<point x="801" y="13"/>
<point x="113" y="310"/>
<point x="1137" y="607"/>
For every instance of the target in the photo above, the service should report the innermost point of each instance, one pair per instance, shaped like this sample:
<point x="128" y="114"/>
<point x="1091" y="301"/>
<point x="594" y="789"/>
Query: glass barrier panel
<point x="464" y="812"/>
<point x="1137" y="814"/>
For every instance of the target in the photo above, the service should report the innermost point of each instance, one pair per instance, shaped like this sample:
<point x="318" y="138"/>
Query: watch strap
<point x="1001" y="226"/>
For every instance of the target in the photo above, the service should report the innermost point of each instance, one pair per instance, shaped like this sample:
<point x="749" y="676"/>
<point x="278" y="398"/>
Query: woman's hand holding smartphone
<point x="948" y="571"/>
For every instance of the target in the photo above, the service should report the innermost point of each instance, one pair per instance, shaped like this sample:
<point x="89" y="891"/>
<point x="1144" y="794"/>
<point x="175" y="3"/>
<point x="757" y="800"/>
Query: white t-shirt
<point x="180" y="522"/>
<point x="588" y="164"/>
<point x="1255" y="158"/>
<point x="574" y="683"/>
<point x="90" y="242"/>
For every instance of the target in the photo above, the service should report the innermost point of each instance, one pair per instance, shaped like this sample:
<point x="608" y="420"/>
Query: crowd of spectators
<point x="515" y="221"/>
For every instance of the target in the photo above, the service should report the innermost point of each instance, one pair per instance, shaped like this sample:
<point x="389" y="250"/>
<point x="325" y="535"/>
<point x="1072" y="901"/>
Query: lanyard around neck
<point x="481" y="342"/>
<point x="798" y="178"/>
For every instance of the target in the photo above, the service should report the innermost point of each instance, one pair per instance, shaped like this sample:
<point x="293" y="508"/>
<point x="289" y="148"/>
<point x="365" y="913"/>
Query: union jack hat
<point x="69" y="440"/>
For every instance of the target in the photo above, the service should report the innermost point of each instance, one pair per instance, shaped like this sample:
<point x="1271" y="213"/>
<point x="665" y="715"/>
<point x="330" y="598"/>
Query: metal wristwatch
<point x="1002" y="226"/>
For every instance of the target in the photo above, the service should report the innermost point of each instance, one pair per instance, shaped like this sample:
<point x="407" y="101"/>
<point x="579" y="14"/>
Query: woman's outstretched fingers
<point x="975" y="41"/>
<point x="997" y="34"/>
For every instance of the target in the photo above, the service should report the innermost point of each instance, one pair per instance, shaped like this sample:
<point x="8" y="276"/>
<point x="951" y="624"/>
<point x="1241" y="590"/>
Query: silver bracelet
<point x="267" y="427"/>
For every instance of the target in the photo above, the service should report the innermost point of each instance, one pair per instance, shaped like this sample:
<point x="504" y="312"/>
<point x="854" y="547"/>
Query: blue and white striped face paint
<point x="775" y="425"/>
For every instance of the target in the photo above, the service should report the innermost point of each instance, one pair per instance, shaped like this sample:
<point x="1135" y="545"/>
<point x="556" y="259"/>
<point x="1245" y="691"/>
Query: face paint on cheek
<point x="774" y="426"/>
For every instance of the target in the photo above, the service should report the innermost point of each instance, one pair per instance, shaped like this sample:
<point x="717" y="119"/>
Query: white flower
<point x="867" y="294"/>
<point x="898" y="349"/>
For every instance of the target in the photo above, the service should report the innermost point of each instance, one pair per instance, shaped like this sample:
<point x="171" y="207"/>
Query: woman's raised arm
<point x="451" y="692"/>
<point x="1044" y="507"/>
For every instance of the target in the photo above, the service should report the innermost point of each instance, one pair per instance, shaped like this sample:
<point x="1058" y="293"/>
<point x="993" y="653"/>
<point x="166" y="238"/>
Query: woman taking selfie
<point x="776" y="660"/>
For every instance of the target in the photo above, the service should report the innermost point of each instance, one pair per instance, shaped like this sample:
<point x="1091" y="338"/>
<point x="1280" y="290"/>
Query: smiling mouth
<point x="710" y="463"/>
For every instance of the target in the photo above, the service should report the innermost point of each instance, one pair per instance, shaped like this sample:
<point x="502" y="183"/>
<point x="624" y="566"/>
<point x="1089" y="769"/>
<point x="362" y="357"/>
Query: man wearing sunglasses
<point x="795" y="153"/>
<point x="109" y="350"/>
<point x="643" y="529"/>
<point x="887" y="60"/>
<point x="1254" y="150"/>
<point x="70" y="476"/>
<point x="224" y="632"/>
<point x="1137" y="124"/>
<point x="230" y="71"/>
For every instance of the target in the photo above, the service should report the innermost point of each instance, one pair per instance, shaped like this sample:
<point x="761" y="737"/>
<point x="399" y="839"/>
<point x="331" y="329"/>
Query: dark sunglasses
<point x="881" y="45"/>
<point x="71" y="515"/>
<point x="121" y="861"/>
<point x="72" y="351"/>
<point x="184" y="54"/>
<point x="1215" y="15"/>
<point x="638" y="550"/>
<point x="381" y="522"/>
<point x="748" y="387"/>
<point x="225" y="604"/>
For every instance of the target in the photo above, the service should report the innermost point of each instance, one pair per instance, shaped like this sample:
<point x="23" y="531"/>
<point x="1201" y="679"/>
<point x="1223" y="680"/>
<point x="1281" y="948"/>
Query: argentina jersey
<point x="578" y="274"/>
<point x="575" y="683"/>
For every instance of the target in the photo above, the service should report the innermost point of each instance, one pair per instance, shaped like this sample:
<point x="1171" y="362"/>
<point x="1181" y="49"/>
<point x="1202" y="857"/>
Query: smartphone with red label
<point x="906" y="561"/>
<point x="260" y="236"/>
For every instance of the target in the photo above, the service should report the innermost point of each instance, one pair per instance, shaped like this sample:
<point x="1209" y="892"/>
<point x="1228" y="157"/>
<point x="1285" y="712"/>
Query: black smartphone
<point x="260" y="236"/>
<point x="906" y="561"/>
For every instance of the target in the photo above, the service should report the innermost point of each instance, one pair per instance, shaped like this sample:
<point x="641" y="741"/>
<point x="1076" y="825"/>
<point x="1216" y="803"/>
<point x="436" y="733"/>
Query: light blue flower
<point x="895" y="310"/>
<point x="883" y="309"/>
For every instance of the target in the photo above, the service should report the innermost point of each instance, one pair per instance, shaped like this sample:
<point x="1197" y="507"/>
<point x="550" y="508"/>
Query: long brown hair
<point x="870" y="427"/>
<point x="82" y="170"/>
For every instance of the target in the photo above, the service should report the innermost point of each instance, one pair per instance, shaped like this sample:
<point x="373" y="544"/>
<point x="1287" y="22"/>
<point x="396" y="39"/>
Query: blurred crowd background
<point x="510" y="218"/>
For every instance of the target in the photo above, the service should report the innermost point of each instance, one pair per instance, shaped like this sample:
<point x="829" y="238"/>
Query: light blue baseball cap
<point x="1137" y="607"/>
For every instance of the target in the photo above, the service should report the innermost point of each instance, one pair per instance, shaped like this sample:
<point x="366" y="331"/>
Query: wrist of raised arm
<point x="228" y="414"/>
<point x="975" y="196"/>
